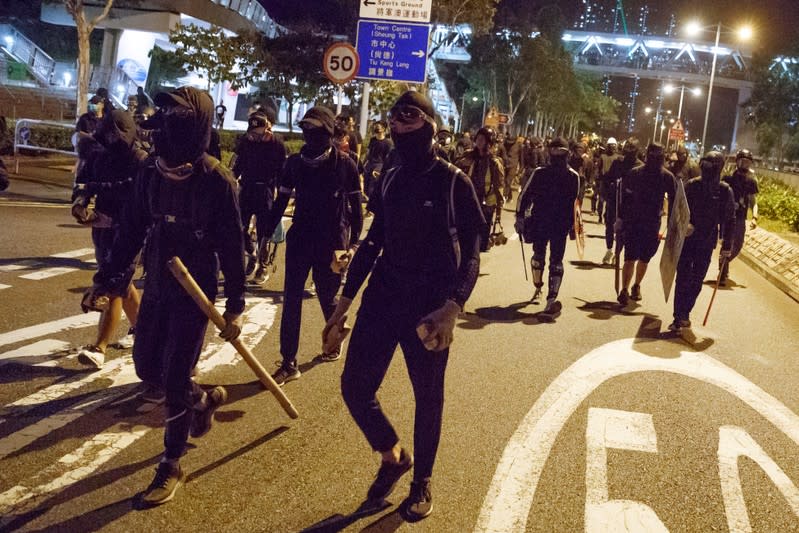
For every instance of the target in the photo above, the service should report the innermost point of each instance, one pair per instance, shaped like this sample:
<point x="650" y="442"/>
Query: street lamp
<point x="671" y="88"/>
<point x="693" y="29"/>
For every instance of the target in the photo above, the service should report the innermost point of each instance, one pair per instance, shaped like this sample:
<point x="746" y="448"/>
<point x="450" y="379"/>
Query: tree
<point x="165" y="68"/>
<point x="478" y="13"/>
<point x="216" y="56"/>
<point x="84" y="27"/>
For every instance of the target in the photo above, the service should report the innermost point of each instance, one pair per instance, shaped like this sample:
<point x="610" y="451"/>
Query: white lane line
<point x="74" y="253"/>
<point x="507" y="504"/>
<point x="37" y="352"/>
<point x="68" y="470"/>
<point x="12" y="203"/>
<point x="48" y="273"/>
<point x="21" y="498"/>
<point x="4" y="286"/>
<point x="20" y="265"/>
<point x="48" y="328"/>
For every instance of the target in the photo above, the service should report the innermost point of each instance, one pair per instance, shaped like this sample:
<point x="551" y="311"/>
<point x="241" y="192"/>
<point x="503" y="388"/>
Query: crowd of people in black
<point x="435" y="204"/>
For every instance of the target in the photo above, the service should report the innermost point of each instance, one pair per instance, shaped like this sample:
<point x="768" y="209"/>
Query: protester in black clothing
<point x="376" y="157"/>
<point x="142" y="100"/>
<point x="109" y="161"/>
<point x="102" y="92"/>
<point x="443" y="145"/>
<point x="87" y="122"/>
<point x="577" y="164"/>
<point x="606" y="159"/>
<point x="619" y="167"/>
<point x="324" y="231"/>
<point x="712" y="210"/>
<point x="427" y="225"/>
<point x="354" y="139"/>
<point x="549" y="199"/>
<point x="682" y="167"/>
<point x="744" y="189"/>
<point x="486" y="172"/>
<point x="185" y="202"/>
<point x="259" y="160"/>
<point x="642" y="191"/>
<point x="4" y="182"/>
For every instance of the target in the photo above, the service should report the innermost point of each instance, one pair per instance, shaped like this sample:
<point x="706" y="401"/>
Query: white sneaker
<point x="92" y="356"/>
<point x="608" y="259"/>
<point x="126" y="342"/>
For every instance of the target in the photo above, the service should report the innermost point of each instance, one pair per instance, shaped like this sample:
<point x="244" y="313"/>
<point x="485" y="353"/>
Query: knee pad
<point x="538" y="272"/>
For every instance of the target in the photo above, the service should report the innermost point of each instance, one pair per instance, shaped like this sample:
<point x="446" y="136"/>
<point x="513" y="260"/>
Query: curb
<point x="43" y="181"/>
<point x="774" y="258"/>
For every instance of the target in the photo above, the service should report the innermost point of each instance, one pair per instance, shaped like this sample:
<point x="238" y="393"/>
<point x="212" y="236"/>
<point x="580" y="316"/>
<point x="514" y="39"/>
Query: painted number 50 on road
<point x="341" y="62"/>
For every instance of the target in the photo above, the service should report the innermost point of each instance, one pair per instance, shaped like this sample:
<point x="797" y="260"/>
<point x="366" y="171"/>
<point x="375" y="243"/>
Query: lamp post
<point x="694" y="28"/>
<point x="695" y="91"/>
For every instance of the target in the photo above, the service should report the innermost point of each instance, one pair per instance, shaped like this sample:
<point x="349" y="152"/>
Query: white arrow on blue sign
<point x="393" y="51"/>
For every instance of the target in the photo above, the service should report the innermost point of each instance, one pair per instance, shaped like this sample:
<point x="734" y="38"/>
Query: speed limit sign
<point x="341" y="62"/>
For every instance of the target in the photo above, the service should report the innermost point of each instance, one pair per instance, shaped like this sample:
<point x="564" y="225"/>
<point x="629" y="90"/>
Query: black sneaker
<point x="285" y="374"/>
<point x="260" y="276"/>
<point x="387" y="477"/>
<point x="624" y="297"/>
<point x="419" y="504"/>
<point x="168" y="479"/>
<point x="635" y="293"/>
<point x="203" y="419"/>
<point x="679" y="324"/>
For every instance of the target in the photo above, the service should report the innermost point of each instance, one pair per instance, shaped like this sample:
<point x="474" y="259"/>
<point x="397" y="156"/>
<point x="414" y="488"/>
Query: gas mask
<point x="711" y="166"/>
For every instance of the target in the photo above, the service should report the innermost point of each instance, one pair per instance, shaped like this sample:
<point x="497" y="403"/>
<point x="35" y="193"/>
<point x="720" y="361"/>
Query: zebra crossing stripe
<point x="84" y="461"/>
<point x="20" y="265"/>
<point x="4" y="286"/>
<point x="48" y="328"/>
<point x="35" y="353"/>
<point x="74" y="253"/>
<point x="48" y="273"/>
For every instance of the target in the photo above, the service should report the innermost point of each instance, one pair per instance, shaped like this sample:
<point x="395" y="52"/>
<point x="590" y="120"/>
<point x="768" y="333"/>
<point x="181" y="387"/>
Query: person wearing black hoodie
<point x="545" y="217"/>
<point x="422" y="252"/>
<point x="185" y="201"/>
<point x="712" y="207"/>
<point x="109" y="161"/>
<point x="260" y="156"/>
<point x="324" y="232"/>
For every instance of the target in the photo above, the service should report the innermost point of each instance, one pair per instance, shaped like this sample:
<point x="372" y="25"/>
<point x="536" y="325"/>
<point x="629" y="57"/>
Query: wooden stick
<point x="715" y="289"/>
<point x="185" y="279"/>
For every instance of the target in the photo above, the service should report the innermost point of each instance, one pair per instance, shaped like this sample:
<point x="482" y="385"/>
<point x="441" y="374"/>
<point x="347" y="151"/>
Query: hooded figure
<point x="712" y="210"/>
<point x="545" y="216"/>
<point x="185" y="202"/>
<point x="619" y="168"/>
<point x="743" y="183"/>
<point x="259" y="160"/>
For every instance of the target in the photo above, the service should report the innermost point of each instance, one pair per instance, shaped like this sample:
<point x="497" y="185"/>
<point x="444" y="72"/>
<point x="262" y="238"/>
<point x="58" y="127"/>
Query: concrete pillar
<point x="743" y="135"/>
<point x="108" y="57"/>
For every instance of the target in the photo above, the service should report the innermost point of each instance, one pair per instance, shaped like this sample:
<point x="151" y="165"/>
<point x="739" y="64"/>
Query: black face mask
<point x="655" y="160"/>
<point x="317" y="140"/>
<point x="414" y="145"/>
<point x="176" y="135"/>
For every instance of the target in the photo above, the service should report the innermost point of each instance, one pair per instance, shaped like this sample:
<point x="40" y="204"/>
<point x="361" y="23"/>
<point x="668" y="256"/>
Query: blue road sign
<point x="393" y="51"/>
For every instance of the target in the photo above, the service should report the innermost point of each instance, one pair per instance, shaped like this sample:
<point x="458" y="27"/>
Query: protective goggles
<point x="408" y="114"/>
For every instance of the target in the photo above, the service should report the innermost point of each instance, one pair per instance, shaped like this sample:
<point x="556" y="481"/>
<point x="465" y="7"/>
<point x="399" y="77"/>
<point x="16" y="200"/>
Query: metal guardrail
<point x="22" y="138"/>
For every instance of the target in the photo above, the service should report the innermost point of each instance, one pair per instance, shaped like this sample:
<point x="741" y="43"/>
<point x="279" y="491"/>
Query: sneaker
<point x="252" y="260"/>
<point x="420" y="502"/>
<point x="311" y="291"/>
<point x="553" y="307"/>
<point x="635" y="293"/>
<point x="330" y="357"/>
<point x="679" y="324"/>
<point x="624" y="297"/>
<point x="168" y="479"/>
<point x="260" y="276"/>
<point x="608" y="259"/>
<point x="91" y="355"/>
<point x="285" y="374"/>
<point x="152" y="394"/>
<point x="204" y="418"/>
<point x="387" y="477"/>
<point x="126" y="342"/>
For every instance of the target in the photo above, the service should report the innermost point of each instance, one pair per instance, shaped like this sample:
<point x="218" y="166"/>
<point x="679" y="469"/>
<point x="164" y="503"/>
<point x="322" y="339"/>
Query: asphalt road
<point x="598" y="421"/>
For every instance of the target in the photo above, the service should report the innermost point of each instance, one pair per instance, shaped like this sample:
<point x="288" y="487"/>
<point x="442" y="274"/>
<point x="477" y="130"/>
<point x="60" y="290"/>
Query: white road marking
<point x="20" y="265"/>
<point x="68" y="470"/>
<point x="13" y="203"/>
<point x="735" y="442"/>
<point x="22" y="498"/>
<point x="510" y="495"/>
<point x="48" y="273"/>
<point x="4" y="286"/>
<point x="75" y="253"/>
<point x="48" y="328"/>
<point x="609" y="428"/>
<point x="34" y="353"/>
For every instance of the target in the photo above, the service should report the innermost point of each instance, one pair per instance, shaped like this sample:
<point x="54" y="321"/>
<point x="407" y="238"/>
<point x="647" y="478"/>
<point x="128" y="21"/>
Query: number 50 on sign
<point x="341" y="62"/>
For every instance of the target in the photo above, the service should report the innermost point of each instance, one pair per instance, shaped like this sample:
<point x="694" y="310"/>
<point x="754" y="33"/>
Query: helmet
<point x="489" y="133"/>
<point x="744" y="154"/>
<point x="612" y="140"/>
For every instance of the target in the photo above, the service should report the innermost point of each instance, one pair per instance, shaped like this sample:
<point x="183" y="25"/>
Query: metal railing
<point x="36" y="60"/>
<point x="23" y="138"/>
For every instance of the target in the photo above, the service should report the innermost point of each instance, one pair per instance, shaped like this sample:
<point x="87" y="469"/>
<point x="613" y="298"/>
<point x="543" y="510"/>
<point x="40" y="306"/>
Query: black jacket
<point x="712" y="210"/>
<point x="549" y="195"/>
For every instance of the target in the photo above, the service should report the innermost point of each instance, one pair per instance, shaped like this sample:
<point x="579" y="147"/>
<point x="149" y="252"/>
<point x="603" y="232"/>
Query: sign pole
<point x="367" y="87"/>
<point x="340" y="96"/>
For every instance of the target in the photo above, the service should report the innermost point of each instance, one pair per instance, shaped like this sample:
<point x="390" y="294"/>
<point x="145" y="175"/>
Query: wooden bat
<point x="185" y="279"/>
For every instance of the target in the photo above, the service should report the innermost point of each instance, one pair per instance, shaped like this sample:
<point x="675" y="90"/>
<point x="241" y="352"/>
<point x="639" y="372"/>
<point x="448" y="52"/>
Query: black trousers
<point x="738" y="238"/>
<point x="691" y="270"/>
<point x="255" y="199"/>
<point x="300" y="260"/>
<point x="169" y="338"/>
<point x="383" y="323"/>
